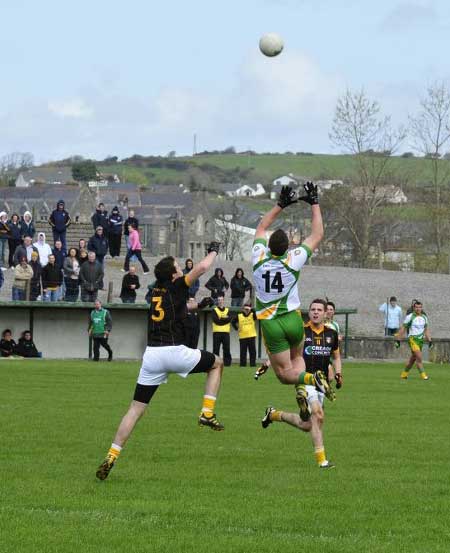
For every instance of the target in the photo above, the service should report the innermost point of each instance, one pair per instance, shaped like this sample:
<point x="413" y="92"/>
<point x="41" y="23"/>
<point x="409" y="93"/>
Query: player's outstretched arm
<point x="205" y="264"/>
<point x="286" y="198"/>
<point x="312" y="198"/>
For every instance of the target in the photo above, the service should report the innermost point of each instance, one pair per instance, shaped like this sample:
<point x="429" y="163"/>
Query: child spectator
<point x="7" y="344"/>
<point x="35" y="283"/>
<point x="26" y="347"/>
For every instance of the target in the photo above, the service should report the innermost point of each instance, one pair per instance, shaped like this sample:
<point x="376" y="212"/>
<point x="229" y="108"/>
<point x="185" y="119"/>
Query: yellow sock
<point x="276" y="415"/>
<point x="114" y="450"/>
<point x="209" y="403"/>
<point x="320" y="455"/>
<point x="309" y="379"/>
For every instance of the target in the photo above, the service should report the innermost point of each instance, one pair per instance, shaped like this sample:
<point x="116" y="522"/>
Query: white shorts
<point x="158" y="363"/>
<point x="314" y="395"/>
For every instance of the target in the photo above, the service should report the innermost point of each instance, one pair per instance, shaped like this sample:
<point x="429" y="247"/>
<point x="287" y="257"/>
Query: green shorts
<point x="415" y="343"/>
<point x="282" y="333"/>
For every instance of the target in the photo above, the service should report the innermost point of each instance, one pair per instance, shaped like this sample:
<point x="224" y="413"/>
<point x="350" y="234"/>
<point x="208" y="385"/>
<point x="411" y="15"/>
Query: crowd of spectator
<point x="25" y="347"/>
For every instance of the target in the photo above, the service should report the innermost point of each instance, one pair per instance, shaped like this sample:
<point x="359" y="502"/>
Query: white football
<point x="271" y="44"/>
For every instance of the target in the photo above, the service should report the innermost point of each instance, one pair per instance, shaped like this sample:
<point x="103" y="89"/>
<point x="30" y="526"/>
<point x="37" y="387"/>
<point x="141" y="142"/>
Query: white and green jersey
<point x="416" y="325"/>
<point x="276" y="278"/>
<point x="334" y="325"/>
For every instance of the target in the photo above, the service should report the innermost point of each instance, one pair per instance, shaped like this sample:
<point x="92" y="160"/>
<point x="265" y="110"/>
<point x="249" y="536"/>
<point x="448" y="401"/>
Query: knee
<point x="218" y="363"/>
<point x="283" y="378"/>
<point x="319" y="417"/>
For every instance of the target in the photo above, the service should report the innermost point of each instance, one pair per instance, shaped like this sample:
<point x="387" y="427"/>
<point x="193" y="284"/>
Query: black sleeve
<point x="220" y="321"/>
<point x="234" y="323"/>
<point x="335" y="340"/>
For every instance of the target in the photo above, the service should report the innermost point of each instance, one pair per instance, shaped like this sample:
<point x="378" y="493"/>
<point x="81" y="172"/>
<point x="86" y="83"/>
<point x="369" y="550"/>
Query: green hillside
<point x="262" y="168"/>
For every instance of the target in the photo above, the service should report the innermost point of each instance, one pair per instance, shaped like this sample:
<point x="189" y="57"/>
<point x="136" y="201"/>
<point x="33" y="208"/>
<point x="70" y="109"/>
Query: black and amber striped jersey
<point x="168" y="313"/>
<point x="319" y="344"/>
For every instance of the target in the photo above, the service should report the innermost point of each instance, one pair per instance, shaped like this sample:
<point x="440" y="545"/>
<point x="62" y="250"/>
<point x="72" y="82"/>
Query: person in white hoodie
<point x="43" y="248"/>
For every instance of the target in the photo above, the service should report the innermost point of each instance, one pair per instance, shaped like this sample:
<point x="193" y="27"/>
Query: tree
<point x="228" y="231"/>
<point x="359" y="128"/>
<point x="84" y="171"/>
<point x="430" y="131"/>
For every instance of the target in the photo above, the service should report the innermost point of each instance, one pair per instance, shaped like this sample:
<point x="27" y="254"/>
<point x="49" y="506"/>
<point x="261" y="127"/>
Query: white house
<point x="247" y="190"/>
<point x="285" y="180"/>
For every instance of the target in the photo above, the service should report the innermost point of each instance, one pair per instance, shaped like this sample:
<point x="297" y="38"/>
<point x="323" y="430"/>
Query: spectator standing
<point x="26" y="347"/>
<point x="100" y="218"/>
<point x="24" y="250"/>
<point x="244" y="323"/>
<point x="43" y="249"/>
<point x="71" y="271"/>
<point x="98" y="243"/>
<point x="130" y="283"/>
<point x="60" y="220"/>
<point x="130" y="220"/>
<point x="192" y="325"/>
<point x="115" y="232"/>
<point x="22" y="277"/>
<point x="7" y="344"/>
<point x="4" y="235"/>
<point x="27" y="226"/>
<point x="135" y="249"/>
<point x="217" y="284"/>
<point x="35" y="283"/>
<point x="392" y="316"/>
<point x="2" y="279"/>
<point x="193" y="289"/>
<point x="14" y="238"/>
<point x="239" y="286"/>
<point x="51" y="280"/>
<point x="82" y="253"/>
<point x="221" y="327"/>
<point x="91" y="276"/>
<point x="59" y="253"/>
<point x="100" y="326"/>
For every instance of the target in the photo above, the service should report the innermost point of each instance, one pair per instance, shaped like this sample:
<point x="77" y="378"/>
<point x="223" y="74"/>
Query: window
<point x="173" y="226"/>
<point x="162" y="235"/>
<point x="191" y="250"/>
<point x="207" y="226"/>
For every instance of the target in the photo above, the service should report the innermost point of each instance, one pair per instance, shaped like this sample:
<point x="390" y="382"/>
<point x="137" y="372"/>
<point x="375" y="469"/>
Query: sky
<point x="100" y="78"/>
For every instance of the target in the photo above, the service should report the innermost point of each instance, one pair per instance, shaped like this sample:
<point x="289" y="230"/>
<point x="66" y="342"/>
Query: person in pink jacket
<point x="135" y="248"/>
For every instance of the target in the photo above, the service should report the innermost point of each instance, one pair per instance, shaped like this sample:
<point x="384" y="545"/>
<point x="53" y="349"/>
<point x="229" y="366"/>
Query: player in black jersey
<point x="321" y="346"/>
<point x="166" y="352"/>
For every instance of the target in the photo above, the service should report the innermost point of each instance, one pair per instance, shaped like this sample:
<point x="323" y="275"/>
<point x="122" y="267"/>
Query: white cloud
<point x="75" y="108"/>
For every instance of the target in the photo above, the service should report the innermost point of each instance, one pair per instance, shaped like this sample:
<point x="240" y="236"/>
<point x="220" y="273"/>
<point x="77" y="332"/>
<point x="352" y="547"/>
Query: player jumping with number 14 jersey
<point x="276" y="271"/>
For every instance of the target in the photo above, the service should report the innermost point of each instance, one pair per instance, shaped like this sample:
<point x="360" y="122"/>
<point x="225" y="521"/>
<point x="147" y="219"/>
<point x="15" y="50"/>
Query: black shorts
<point x="206" y="362"/>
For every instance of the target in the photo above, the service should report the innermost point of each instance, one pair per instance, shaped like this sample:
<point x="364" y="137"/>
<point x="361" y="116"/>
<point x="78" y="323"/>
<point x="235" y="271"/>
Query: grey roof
<point x="49" y="175"/>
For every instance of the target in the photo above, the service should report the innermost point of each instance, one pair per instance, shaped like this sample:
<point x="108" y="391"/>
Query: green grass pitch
<point x="180" y="488"/>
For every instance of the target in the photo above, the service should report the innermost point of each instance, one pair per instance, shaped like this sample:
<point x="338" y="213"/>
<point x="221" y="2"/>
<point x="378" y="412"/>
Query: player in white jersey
<point x="416" y="325"/>
<point x="276" y="271"/>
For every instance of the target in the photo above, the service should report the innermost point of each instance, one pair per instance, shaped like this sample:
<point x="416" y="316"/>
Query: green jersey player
<point x="276" y="271"/>
<point x="416" y="326"/>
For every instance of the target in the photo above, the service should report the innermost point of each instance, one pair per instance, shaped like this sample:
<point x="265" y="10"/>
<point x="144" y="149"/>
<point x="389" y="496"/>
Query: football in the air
<point x="271" y="44"/>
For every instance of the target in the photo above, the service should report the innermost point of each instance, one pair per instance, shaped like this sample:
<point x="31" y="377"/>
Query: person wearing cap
<point x="115" y="231"/>
<point x="59" y="220"/>
<point x="244" y="323"/>
<point x="392" y="316"/>
<point x="22" y="276"/>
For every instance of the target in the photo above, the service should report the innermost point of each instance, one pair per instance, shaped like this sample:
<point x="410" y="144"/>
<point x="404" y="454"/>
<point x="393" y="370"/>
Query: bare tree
<point x="430" y="131"/>
<point x="228" y="230"/>
<point x="359" y="128"/>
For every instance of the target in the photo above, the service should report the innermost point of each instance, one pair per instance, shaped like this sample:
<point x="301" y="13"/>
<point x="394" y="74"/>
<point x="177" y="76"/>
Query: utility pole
<point x="194" y="149"/>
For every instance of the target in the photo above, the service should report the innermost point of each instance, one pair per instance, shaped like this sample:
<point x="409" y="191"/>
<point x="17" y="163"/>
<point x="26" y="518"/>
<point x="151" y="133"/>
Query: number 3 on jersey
<point x="158" y="311"/>
<point x="276" y="284"/>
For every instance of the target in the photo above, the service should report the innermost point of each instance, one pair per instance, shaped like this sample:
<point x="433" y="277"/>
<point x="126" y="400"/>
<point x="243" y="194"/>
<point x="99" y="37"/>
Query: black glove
<point x="213" y="247"/>
<point x="430" y="345"/>
<point x="338" y="378"/>
<point x="286" y="197"/>
<point x="206" y="302"/>
<point x="312" y="194"/>
<point x="397" y="343"/>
